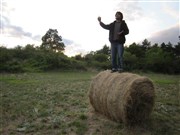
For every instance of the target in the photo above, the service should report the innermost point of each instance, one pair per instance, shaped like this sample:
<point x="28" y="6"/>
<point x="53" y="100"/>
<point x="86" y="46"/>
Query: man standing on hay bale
<point x="117" y="31"/>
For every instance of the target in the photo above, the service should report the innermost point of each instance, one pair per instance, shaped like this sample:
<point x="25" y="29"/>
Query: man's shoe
<point x="120" y="70"/>
<point x="113" y="70"/>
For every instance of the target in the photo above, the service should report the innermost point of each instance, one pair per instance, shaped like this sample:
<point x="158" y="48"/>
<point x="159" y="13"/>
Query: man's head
<point x="119" y="16"/>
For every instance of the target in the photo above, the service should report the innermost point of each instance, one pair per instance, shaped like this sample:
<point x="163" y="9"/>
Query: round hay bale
<point x="122" y="97"/>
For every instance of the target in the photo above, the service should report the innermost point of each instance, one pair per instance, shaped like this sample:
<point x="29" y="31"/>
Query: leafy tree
<point x="163" y="58"/>
<point x="101" y="57"/>
<point x="78" y="57"/>
<point x="177" y="50"/>
<point x="136" y="50"/>
<point x="130" y="61"/>
<point x="98" y="59"/>
<point x="146" y="44"/>
<point x="52" y="41"/>
<point x="167" y="47"/>
<point x="104" y="50"/>
<point x="158" y="60"/>
<point x="155" y="45"/>
<point x="88" y="57"/>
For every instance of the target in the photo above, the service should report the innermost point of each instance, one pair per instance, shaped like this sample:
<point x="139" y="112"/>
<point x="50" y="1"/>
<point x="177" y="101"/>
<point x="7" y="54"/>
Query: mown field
<point x="57" y="104"/>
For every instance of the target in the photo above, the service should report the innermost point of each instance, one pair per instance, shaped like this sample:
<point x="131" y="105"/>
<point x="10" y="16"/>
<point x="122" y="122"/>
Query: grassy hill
<point x="57" y="103"/>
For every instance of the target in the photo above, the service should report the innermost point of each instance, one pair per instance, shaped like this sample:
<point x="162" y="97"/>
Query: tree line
<point x="49" y="56"/>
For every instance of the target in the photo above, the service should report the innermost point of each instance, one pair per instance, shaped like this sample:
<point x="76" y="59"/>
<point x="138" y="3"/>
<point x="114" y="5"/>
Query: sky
<point x="26" y="21"/>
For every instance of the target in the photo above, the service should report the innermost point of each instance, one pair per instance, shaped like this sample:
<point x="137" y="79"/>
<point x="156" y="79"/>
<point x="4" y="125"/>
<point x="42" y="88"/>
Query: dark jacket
<point x="110" y="27"/>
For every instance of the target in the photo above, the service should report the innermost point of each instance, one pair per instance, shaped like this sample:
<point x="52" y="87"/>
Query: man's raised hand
<point x="99" y="19"/>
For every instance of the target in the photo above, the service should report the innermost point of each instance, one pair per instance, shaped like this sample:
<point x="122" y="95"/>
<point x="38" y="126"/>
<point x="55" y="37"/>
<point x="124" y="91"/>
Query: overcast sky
<point x="26" y="21"/>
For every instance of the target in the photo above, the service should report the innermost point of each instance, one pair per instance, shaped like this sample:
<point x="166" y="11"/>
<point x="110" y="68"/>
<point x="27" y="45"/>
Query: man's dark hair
<point x="118" y="12"/>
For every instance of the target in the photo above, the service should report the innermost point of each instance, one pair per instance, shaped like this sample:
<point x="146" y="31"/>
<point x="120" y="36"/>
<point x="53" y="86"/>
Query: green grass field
<point x="57" y="104"/>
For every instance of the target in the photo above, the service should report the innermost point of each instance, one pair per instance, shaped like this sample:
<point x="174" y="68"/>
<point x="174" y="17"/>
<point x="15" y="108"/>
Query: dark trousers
<point x="117" y="51"/>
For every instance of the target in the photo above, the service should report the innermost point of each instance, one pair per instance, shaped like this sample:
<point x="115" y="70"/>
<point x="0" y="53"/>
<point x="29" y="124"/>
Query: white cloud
<point x="12" y="34"/>
<point x="74" y="49"/>
<point x="140" y="29"/>
<point x="67" y="41"/>
<point x="131" y="9"/>
<point x="169" y="10"/>
<point x="25" y="22"/>
<point x="167" y="35"/>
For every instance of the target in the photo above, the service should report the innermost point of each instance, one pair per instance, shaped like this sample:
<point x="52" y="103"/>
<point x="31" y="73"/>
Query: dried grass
<point x="122" y="97"/>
